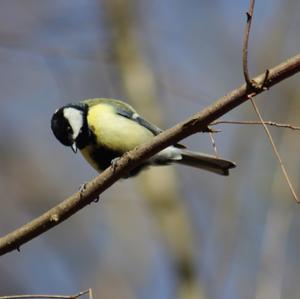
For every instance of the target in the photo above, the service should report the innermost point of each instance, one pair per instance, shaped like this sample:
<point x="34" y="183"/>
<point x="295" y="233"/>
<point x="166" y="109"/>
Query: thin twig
<point x="253" y="122"/>
<point x="275" y="150"/>
<point x="213" y="142"/>
<point x="94" y="188"/>
<point x="246" y="44"/>
<point x="89" y="291"/>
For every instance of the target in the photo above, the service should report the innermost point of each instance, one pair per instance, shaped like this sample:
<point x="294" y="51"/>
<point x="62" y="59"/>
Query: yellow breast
<point x="114" y="131"/>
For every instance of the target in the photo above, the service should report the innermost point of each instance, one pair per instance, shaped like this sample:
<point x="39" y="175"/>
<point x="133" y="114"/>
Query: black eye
<point x="69" y="129"/>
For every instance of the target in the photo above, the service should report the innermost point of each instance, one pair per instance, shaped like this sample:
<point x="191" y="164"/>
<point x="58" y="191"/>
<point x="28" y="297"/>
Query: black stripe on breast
<point x="103" y="157"/>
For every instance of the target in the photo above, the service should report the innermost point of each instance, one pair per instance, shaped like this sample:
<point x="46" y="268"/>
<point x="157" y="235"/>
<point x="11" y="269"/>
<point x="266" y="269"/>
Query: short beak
<point x="74" y="148"/>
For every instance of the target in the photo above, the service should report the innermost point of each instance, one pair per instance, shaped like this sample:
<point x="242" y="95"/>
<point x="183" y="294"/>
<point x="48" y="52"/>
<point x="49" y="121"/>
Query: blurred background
<point x="173" y="232"/>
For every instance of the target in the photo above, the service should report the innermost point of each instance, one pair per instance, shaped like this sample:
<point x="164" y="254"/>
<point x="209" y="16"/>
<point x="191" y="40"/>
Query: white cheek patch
<point x="75" y="119"/>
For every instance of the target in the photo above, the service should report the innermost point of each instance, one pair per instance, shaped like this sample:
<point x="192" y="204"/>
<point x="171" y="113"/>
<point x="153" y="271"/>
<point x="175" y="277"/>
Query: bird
<point x="104" y="129"/>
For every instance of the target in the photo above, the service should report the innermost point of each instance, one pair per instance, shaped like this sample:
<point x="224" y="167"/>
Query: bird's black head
<point x="69" y="125"/>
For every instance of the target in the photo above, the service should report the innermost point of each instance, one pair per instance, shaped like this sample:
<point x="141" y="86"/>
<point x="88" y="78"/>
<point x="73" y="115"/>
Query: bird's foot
<point x="82" y="187"/>
<point x="114" y="162"/>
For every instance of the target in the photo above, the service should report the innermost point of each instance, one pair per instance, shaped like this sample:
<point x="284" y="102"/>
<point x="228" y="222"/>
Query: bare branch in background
<point x="285" y="173"/>
<point x="254" y="122"/>
<point x="246" y="43"/>
<point x="43" y="296"/>
<point x="251" y="84"/>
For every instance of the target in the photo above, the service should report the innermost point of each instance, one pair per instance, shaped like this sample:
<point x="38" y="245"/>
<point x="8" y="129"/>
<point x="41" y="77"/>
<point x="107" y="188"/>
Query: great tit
<point x="104" y="129"/>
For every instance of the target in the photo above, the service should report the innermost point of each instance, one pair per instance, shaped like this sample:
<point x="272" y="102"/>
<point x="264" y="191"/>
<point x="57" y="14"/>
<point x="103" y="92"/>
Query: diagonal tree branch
<point x="192" y="125"/>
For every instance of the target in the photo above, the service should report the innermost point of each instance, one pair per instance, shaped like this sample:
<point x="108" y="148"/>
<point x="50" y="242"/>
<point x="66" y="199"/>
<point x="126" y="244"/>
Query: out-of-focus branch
<point x="138" y="82"/>
<point x="196" y="123"/>
<point x="44" y="296"/>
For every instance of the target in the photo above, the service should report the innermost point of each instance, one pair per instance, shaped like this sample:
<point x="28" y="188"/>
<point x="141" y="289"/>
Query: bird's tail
<point x="204" y="161"/>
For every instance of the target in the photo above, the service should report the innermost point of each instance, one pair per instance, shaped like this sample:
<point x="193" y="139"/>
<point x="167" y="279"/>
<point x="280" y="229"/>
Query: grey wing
<point x="137" y="118"/>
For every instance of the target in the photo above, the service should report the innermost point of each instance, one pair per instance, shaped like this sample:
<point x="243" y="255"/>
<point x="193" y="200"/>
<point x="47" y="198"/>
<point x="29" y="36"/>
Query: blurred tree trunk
<point x="158" y="186"/>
